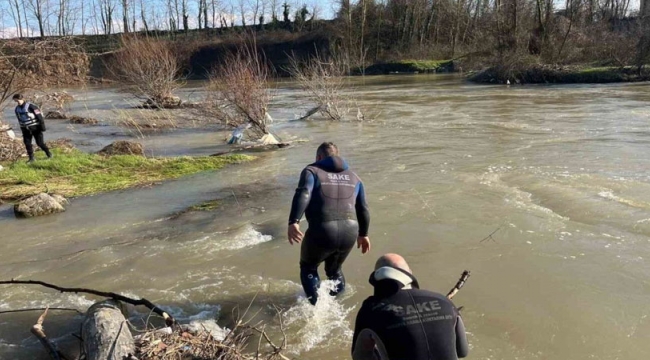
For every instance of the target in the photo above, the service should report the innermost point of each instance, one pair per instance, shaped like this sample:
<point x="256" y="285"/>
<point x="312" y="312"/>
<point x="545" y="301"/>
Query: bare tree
<point x="107" y="9"/>
<point x="148" y="68"/>
<point x="125" y="16"/>
<point x="242" y="11"/>
<point x="36" y="6"/>
<point x="186" y="16"/>
<point x="143" y="17"/>
<point x="322" y="81"/>
<point x="238" y="92"/>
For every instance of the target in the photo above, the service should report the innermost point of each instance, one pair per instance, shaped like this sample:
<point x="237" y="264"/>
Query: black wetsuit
<point x="334" y="203"/>
<point x="32" y="125"/>
<point x="409" y="324"/>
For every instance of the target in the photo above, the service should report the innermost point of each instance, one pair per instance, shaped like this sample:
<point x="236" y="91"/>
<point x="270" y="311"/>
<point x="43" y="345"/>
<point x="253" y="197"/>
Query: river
<point x="559" y="175"/>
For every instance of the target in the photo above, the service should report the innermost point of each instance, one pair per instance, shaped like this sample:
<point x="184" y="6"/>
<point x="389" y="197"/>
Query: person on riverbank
<point x="32" y="126"/>
<point x="401" y="322"/>
<point x="333" y="200"/>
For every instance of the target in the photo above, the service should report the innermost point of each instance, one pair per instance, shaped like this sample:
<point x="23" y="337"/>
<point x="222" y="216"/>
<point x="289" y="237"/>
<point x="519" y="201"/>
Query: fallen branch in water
<point x="169" y="320"/>
<point x="489" y="237"/>
<point x="37" y="330"/>
<point x="39" y="309"/>
<point x="459" y="285"/>
<point x="254" y="147"/>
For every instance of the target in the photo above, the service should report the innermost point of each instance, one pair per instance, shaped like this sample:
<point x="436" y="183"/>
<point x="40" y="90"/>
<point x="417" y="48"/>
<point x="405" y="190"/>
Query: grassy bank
<point x="549" y="74"/>
<point x="410" y="66"/>
<point x="77" y="173"/>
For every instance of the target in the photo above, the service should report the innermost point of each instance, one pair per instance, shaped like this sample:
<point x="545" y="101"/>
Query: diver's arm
<point x="302" y="196"/>
<point x="361" y="207"/>
<point x="363" y="341"/>
<point x="462" y="346"/>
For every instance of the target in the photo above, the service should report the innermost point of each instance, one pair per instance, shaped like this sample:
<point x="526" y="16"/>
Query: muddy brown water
<point x="563" y="173"/>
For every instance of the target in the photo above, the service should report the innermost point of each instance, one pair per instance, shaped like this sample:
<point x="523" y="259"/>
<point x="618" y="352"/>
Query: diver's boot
<point x="340" y="285"/>
<point x="310" y="283"/>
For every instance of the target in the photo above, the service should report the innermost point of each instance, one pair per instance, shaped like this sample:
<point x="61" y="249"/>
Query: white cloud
<point x="8" y="32"/>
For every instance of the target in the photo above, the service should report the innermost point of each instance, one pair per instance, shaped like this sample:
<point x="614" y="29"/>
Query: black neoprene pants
<point x="36" y="133"/>
<point x="328" y="242"/>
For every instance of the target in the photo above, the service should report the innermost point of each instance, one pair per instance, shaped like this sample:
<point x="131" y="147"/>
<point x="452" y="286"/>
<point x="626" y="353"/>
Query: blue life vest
<point x="25" y="117"/>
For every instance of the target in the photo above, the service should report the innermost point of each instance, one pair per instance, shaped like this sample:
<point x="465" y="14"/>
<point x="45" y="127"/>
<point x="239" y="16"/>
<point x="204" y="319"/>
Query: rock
<point x="74" y="119"/>
<point x="122" y="148"/>
<point x="1" y="168"/>
<point x="60" y="199"/>
<point x="57" y="115"/>
<point x="38" y="205"/>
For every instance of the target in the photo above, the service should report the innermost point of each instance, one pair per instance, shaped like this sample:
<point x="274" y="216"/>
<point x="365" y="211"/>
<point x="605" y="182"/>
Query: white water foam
<point x="320" y="326"/>
<point x="609" y="195"/>
<point x="244" y="237"/>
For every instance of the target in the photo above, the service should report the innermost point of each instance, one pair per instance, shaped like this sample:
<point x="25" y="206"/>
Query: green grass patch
<point x="423" y="65"/>
<point x="77" y="173"/>
<point x="205" y="206"/>
<point x="410" y="66"/>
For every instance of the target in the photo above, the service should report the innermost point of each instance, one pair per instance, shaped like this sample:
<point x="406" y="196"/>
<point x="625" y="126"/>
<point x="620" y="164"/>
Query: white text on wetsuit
<point x="338" y="177"/>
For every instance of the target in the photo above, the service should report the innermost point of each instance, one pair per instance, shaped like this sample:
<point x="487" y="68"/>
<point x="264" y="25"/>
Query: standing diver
<point x="32" y="125"/>
<point x="333" y="200"/>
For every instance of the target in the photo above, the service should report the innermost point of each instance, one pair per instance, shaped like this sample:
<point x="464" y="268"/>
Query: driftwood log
<point x="105" y="332"/>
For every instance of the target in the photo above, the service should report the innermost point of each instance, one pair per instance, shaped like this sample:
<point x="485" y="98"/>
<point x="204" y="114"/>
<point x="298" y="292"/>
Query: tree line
<point x="41" y="18"/>
<point x="556" y="32"/>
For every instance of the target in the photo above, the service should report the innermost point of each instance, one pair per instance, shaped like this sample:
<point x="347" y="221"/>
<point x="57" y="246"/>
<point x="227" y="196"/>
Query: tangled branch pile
<point x="157" y="345"/>
<point x="10" y="149"/>
<point x="54" y="61"/>
<point x="183" y="343"/>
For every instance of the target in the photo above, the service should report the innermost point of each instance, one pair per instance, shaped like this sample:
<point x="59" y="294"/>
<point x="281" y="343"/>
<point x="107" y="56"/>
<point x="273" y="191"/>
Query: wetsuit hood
<point x="388" y="280"/>
<point x="333" y="164"/>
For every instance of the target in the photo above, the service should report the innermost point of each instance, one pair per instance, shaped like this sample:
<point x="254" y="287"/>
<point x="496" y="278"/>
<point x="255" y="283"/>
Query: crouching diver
<point x="32" y="125"/>
<point x="333" y="200"/>
<point x="401" y="322"/>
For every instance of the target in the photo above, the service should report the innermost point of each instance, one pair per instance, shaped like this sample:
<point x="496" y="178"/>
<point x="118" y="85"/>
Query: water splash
<point x="320" y="326"/>
<point x="244" y="237"/>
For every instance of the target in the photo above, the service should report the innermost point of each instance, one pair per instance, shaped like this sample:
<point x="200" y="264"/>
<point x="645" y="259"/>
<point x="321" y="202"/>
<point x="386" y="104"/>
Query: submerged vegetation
<point x="77" y="173"/>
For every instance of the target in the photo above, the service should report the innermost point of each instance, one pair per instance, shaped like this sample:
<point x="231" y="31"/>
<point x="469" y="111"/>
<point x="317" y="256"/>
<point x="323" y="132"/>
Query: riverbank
<point x="76" y="173"/>
<point x="557" y="74"/>
<point x="410" y="67"/>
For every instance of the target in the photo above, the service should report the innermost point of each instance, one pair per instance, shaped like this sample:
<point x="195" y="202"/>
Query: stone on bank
<point x="41" y="204"/>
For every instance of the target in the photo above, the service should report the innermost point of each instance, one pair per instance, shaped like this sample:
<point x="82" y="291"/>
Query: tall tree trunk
<point x="143" y="17"/>
<point x="186" y="25"/>
<point x="125" y="15"/>
<point x="18" y="19"/>
<point x="205" y="14"/>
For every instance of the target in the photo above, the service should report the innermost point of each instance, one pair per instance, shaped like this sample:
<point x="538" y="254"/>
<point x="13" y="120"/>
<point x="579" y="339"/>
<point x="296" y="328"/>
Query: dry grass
<point x="238" y="92"/>
<point x="148" y="68"/>
<point x="140" y="121"/>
